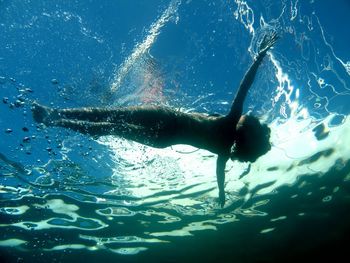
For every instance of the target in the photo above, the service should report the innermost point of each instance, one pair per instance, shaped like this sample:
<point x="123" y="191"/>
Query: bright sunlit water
<point x="66" y="197"/>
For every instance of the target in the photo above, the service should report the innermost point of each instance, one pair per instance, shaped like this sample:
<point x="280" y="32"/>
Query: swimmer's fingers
<point x="273" y="39"/>
<point x="267" y="42"/>
<point x="263" y="43"/>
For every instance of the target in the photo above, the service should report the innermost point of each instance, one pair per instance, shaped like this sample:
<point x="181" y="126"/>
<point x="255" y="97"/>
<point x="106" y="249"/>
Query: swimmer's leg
<point x="128" y="131"/>
<point x="93" y="114"/>
<point x="146" y="115"/>
<point x="151" y="125"/>
<point x="138" y="115"/>
<point x="85" y="127"/>
<point x="44" y="114"/>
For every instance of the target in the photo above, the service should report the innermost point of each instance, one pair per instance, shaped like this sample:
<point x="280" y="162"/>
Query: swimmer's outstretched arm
<point x="237" y="105"/>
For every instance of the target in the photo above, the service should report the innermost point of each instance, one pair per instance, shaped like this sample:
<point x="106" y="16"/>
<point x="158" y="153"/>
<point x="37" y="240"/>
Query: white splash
<point x="245" y="15"/>
<point x="143" y="47"/>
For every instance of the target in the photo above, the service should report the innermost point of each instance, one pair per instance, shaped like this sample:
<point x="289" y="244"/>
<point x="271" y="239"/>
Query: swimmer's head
<point x="252" y="139"/>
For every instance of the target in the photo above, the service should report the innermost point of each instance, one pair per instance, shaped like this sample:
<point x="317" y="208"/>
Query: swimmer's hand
<point x="268" y="41"/>
<point x="222" y="198"/>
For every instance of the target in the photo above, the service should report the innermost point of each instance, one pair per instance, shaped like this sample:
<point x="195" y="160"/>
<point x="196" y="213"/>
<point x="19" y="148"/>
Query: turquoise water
<point x="66" y="197"/>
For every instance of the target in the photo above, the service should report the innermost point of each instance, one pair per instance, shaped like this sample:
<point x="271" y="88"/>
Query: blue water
<point x="66" y="197"/>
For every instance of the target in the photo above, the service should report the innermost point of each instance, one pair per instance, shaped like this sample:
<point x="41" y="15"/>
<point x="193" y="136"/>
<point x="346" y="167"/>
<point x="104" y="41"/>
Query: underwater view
<point x="70" y="197"/>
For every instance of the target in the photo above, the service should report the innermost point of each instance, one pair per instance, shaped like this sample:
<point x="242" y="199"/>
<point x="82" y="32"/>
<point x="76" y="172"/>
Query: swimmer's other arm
<point x="237" y="106"/>
<point x="220" y="176"/>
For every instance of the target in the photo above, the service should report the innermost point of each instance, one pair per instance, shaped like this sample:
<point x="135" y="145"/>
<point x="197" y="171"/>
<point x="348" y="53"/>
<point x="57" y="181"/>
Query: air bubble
<point x="327" y="198"/>
<point x="26" y="139"/>
<point x="54" y="81"/>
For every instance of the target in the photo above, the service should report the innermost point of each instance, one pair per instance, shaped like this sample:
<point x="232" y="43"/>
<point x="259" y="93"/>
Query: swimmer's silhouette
<point x="236" y="136"/>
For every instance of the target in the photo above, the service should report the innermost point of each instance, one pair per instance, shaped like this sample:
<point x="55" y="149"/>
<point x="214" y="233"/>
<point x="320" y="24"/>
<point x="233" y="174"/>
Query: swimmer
<point x="233" y="136"/>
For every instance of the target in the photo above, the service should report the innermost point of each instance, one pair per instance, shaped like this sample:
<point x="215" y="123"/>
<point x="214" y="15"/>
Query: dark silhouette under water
<point x="236" y="136"/>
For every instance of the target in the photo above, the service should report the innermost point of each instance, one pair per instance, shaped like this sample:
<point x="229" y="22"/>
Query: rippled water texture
<point x="66" y="197"/>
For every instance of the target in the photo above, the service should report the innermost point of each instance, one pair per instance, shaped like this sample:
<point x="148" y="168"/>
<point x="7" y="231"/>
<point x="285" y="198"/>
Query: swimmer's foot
<point x="43" y="114"/>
